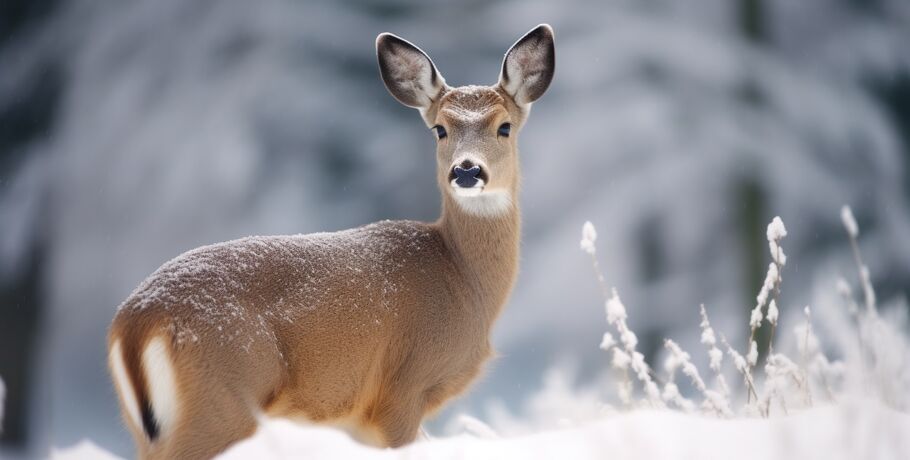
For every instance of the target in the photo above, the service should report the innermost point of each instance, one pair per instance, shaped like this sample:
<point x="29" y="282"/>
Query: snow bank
<point x="853" y="429"/>
<point x="83" y="450"/>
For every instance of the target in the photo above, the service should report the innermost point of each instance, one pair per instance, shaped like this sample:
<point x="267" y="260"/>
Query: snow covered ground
<point x="853" y="429"/>
<point x="859" y="429"/>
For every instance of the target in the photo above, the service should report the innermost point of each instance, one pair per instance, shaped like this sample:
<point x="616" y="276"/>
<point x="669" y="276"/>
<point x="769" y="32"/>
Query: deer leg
<point x="397" y="417"/>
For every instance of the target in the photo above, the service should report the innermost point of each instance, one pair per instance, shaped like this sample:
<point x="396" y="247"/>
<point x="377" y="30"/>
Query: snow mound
<point x="855" y="429"/>
<point x="83" y="450"/>
<point x="852" y="429"/>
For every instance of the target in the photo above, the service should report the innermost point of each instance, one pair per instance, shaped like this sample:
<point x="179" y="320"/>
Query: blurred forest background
<point x="133" y="131"/>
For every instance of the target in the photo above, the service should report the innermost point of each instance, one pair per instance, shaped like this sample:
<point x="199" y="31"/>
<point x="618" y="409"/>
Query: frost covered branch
<point x="773" y="279"/>
<point x="846" y="215"/>
<point x="625" y="355"/>
<point x="714" y="401"/>
<point x="715" y="356"/>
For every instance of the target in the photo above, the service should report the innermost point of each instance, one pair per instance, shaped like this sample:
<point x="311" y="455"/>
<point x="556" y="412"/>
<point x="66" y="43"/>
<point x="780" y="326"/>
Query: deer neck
<point x="485" y="249"/>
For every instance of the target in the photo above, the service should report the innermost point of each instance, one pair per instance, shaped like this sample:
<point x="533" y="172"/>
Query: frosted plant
<point x="752" y="355"/>
<point x="775" y="233"/>
<point x="883" y="348"/>
<point x="588" y="238"/>
<point x="843" y="288"/>
<point x="742" y="366"/>
<point x="785" y="384"/>
<point x="671" y="394"/>
<point x="772" y="313"/>
<point x="846" y="215"/>
<point x="625" y="356"/>
<point x="607" y="342"/>
<point x="781" y="373"/>
<point x="620" y="362"/>
<point x="714" y="402"/>
<point x="781" y="376"/>
<point x="818" y="369"/>
<point x="715" y="356"/>
<point x="587" y="244"/>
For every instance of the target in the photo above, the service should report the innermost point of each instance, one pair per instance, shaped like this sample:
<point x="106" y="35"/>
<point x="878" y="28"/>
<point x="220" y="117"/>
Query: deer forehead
<point x="471" y="105"/>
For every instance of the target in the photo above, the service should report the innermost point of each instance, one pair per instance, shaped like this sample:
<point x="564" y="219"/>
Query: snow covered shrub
<point x="875" y="362"/>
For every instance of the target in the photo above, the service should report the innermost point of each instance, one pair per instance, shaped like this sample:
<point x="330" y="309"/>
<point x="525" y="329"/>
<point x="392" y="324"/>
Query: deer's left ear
<point x="529" y="65"/>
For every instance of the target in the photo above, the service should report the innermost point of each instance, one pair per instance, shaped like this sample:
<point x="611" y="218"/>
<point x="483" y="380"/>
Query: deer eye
<point x="504" y="129"/>
<point x="440" y="132"/>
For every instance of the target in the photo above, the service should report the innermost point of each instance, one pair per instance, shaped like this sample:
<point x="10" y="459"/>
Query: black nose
<point x="466" y="174"/>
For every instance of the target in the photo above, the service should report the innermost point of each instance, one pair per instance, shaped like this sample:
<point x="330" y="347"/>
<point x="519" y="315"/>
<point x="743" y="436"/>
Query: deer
<point x="370" y="329"/>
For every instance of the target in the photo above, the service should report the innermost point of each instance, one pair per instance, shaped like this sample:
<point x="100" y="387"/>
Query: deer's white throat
<point x="480" y="202"/>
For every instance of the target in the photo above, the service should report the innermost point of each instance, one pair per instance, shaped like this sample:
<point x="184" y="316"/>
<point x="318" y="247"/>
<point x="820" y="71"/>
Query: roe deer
<point x="369" y="329"/>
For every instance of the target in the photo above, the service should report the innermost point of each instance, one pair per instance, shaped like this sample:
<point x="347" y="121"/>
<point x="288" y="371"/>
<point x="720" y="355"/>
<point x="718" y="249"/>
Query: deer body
<point x="371" y="328"/>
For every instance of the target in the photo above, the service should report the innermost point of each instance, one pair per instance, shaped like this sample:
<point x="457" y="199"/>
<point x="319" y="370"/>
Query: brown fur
<point x="371" y="328"/>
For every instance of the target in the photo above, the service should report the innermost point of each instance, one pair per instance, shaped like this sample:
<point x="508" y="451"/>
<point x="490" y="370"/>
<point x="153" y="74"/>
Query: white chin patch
<point x="478" y="202"/>
<point x="467" y="192"/>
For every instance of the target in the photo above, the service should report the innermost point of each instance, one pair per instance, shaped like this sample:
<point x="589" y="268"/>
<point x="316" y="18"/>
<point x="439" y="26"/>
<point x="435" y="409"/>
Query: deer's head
<point x="476" y="127"/>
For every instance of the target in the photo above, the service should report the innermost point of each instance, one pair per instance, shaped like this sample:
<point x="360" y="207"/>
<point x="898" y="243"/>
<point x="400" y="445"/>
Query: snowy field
<point x="794" y="403"/>
<point x="858" y="429"/>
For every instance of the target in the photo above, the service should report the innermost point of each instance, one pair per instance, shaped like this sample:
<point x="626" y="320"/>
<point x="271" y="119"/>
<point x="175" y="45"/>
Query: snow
<point x="475" y="427"/>
<point x="756" y="316"/>
<point x="838" y="431"/>
<point x="852" y="429"/>
<point x="607" y="342"/>
<point x="776" y="230"/>
<point x="738" y="359"/>
<point x="752" y="355"/>
<point x="83" y="450"/>
<point x="773" y="312"/>
<point x="621" y="359"/>
<point x="771" y="279"/>
<point x="616" y="311"/>
<point x="714" y="401"/>
<point x="715" y="356"/>
<point x="846" y="216"/>
<point x="588" y="238"/>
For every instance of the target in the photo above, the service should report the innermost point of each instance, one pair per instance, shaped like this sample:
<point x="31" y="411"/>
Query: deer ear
<point x="528" y="66"/>
<point x="408" y="73"/>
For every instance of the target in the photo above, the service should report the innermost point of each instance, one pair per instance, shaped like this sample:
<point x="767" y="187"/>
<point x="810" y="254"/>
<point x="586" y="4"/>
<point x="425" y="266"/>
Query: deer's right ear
<point x="408" y="72"/>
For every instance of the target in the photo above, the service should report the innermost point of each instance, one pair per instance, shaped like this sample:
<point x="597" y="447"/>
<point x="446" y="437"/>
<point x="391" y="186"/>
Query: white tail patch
<point x="124" y="386"/>
<point x="162" y="383"/>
